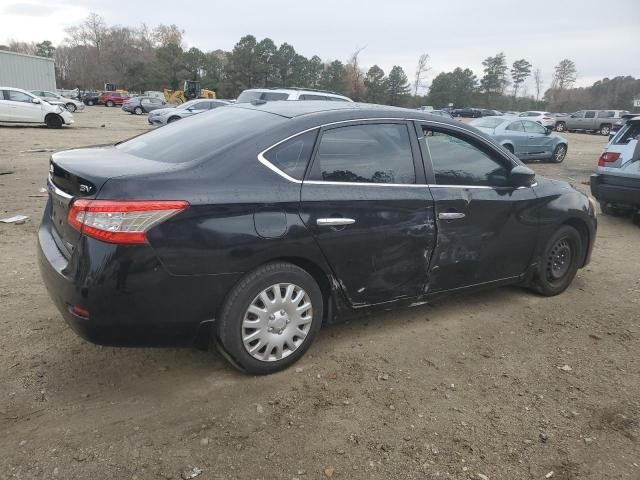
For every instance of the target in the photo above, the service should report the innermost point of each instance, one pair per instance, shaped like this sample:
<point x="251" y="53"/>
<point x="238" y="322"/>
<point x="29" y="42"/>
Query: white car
<point x="545" y="119"/>
<point x="20" y="106"/>
<point x="271" y="94"/>
<point x="57" y="99"/>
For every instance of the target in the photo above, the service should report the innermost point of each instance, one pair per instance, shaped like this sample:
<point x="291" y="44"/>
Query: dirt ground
<point x="503" y="384"/>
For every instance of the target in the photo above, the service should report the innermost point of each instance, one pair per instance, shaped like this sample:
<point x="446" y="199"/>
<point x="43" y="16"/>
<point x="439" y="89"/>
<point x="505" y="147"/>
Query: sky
<point x="601" y="38"/>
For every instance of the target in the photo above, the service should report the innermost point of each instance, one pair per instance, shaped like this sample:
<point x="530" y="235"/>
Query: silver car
<point x="162" y="116"/>
<point x="57" y="99"/>
<point x="526" y="139"/>
<point x="617" y="183"/>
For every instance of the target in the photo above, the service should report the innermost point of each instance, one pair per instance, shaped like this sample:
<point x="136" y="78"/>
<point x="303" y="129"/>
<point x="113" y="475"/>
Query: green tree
<point x="314" y="71"/>
<point x="45" y="49"/>
<point x="194" y="60"/>
<point x="284" y="59"/>
<point x="565" y="75"/>
<point x="332" y="77"/>
<point x="243" y="67"/>
<point x="520" y="70"/>
<point x="266" y="51"/>
<point x="376" y="84"/>
<point x="171" y="64"/>
<point x="494" y="80"/>
<point x="213" y="69"/>
<point x="397" y="86"/>
<point x="457" y="87"/>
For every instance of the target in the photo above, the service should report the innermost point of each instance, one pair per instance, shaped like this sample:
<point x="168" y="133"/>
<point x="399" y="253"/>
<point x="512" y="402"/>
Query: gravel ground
<point x="502" y="384"/>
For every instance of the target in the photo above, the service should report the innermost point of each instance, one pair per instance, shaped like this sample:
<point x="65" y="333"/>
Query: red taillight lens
<point x="608" y="157"/>
<point x="117" y="221"/>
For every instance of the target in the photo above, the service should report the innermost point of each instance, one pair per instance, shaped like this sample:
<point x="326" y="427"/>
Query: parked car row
<point x="57" y="99"/>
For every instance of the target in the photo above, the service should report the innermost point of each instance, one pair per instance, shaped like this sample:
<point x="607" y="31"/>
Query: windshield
<point x="209" y="133"/>
<point x="251" y="95"/>
<point x="487" y="122"/>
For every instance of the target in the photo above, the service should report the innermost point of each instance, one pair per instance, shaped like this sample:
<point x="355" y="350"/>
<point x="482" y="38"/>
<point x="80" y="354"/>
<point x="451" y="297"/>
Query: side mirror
<point x="190" y="109"/>
<point x="547" y="130"/>
<point x="521" y="176"/>
<point x="36" y="100"/>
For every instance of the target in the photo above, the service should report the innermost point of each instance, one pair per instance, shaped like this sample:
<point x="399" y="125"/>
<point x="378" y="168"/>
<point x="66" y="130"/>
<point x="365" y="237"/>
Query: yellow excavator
<point x="190" y="91"/>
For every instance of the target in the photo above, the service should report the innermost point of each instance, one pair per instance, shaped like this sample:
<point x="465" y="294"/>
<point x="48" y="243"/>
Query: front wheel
<point x="90" y="103"/>
<point x="54" y="121"/>
<point x="605" y="130"/>
<point x="270" y="318"/>
<point x="137" y="111"/>
<point x="559" y="263"/>
<point x="561" y="127"/>
<point x="71" y="107"/>
<point x="109" y="103"/>
<point x="559" y="153"/>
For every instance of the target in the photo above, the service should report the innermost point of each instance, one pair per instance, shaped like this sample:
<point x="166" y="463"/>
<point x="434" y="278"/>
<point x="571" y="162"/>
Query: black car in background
<point x="467" y="112"/>
<point x="89" y="97"/>
<point x="276" y="217"/>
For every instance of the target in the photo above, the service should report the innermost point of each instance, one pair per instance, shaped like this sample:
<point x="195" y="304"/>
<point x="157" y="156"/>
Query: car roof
<point x="346" y="110"/>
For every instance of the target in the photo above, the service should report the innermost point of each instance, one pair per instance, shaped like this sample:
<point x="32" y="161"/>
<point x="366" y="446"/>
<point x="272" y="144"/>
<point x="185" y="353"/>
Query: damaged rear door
<point x="367" y="205"/>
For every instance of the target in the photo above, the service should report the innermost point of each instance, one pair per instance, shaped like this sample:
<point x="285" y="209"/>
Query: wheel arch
<point x="53" y="114"/>
<point x="581" y="226"/>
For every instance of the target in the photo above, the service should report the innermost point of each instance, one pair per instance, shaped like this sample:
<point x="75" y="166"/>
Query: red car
<point x="111" y="99"/>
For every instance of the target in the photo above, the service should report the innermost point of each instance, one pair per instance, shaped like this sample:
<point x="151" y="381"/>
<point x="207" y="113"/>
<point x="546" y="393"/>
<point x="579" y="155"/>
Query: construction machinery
<point x="190" y="91"/>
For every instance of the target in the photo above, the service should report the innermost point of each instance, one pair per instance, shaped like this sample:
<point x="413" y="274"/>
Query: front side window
<point x="15" y="96"/>
<point x="516" y="127"/>
<point x="533" y="127"/>
<point x="374" y="153"/>
<point x="590" y="114"/>
<point x="293" y="155"/>
<point x="458" y="162"/>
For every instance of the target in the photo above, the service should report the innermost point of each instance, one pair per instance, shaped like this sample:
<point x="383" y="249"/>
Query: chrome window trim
<point x="52" y="187"/>
<point x="276" y="170"/>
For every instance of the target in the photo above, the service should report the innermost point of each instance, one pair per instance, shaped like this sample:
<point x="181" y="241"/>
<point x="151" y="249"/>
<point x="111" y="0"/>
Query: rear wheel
<point x="71" y="107"/>
<point x="90" y="103"/>
<point x="559" y="153"/>
<point x="54" y="121"/>
<point x="137" y="111"/>
<point x="561" y="127"/>
<point x="605" y="129"/>
<point x="173" y="119"/>
<point x="109" y="103"/>
<point x="560" y="262"/>
<point x="270" y="318"/>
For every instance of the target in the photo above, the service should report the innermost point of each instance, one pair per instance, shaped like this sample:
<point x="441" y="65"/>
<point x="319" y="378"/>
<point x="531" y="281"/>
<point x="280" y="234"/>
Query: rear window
<point x="293" y="155"/>
<point x="201" y="136"/>
<point x="251" y="95"/>
<point x="632" y="132"/>
<point x="487" y="122"/>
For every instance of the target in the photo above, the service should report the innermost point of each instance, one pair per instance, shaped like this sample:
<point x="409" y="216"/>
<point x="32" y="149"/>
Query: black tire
<point x="560" y="153"/>
<point x="54" y="121"/>
<point x="559" y="262"/>
<point x="137" y="111"/>
<point x="109" y="103"/>
<point x="173" y="119"/>
<point x="91" y="103"/>
<point x="561" y="127"/>
<point x="613" y="209"/>
<point x="605" y="129"/>
<point x="228" y="329"/>
<point x="71" y="107"/>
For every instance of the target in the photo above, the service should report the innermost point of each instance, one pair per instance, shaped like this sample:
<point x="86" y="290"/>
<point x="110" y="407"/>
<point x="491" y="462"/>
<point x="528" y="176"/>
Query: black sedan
<point x="279" y="216"/>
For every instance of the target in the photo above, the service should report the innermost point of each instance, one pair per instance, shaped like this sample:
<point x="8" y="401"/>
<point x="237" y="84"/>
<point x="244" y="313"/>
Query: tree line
<point x="145" y="58"/>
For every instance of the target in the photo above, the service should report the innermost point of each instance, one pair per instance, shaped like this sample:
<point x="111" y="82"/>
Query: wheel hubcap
<point x="277" y="322"/>
<point x="559" y="260"/>
<point x="560" y="153"/>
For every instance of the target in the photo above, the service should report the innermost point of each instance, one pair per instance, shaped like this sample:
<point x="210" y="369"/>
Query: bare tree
<point x="355" y="76"/>
<point x="422" y="69"/>
<point x="537" y="78"/>
<point x="166" y="34"/>
<point x="565" y="75"/>
<point x="22" y="47"/>
<point x="91" y="32"/>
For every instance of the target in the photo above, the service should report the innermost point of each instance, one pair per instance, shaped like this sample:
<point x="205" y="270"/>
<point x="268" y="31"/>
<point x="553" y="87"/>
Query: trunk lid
<point x="81" y="173"/>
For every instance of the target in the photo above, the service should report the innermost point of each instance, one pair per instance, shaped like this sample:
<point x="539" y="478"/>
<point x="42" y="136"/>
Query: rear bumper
<point x="616" y="190"/>
<point x="130" y="297"/>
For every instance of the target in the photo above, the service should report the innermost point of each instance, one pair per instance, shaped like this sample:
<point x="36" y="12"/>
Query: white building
<point x="27" y="71"/>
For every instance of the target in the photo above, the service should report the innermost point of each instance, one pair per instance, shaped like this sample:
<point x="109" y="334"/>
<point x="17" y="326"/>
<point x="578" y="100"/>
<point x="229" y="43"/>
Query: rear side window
<point x="516" y="127"/>
<point x="293" y="155"/>
<point x="458" y="162"/>
<point x="208" y="133"/>
<point x="16" y="96"/>
<point x="374" y="153"/>
<point x="306" y="96"/>
<point x="590" y="114"/>
<point x="606" y="114"/>
<point x="533" y="127"/>
<point x="249" y="96"/>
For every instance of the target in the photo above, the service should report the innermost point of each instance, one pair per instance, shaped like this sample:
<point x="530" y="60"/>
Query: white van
<point x="272" y="94"/>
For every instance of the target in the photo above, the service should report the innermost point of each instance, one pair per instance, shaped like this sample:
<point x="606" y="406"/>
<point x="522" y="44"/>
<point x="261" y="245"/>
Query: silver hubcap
<point x="277" y="322"/>
<point x="560" y="153"/>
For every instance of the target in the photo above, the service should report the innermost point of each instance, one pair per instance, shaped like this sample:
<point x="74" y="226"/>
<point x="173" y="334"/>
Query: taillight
<point x="608" y="157"/>
<point x="116" y="221"/>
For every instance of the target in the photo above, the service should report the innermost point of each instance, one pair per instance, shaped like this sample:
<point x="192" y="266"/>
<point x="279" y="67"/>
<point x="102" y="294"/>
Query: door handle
<point x="450" y="215"/>
<point x="334" y="222"/>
